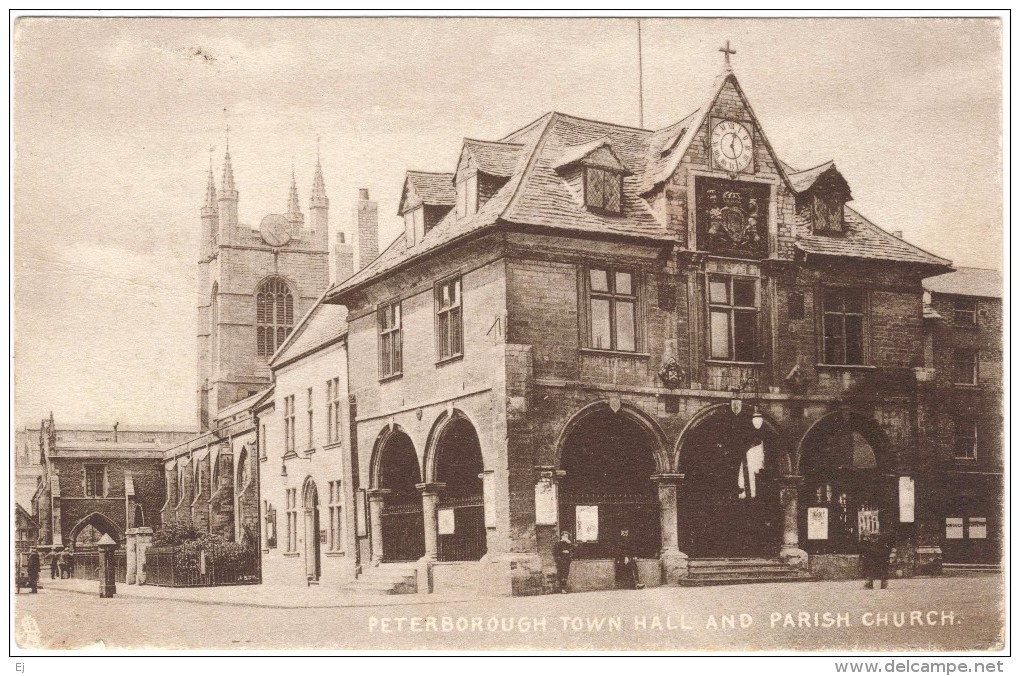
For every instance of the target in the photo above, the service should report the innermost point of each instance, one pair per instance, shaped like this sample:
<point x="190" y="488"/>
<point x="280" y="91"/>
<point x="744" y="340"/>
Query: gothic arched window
<point x="274" y="315"/>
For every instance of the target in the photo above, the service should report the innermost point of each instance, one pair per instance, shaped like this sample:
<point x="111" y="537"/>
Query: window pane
<point x="743" y="292"/>
<point x="395" y="314"/>
<point x="744" y="336"/>
<point x="455" y="331"/>
<point x="625" y="337"/>
<point x="833" y="339"/>
<point x="718" y="290"/>
<point x="600" y="324"/>
<point x="854" y="301"/>
<point x="444" y="335"/>
<point x="384" y="355"/>
<point x="720" y="326"/>
<point x="395" y="349"/>
<point x="854" y="339"/>
<point x="612" y="191"/>
<point x="593" y="188"/>
<point x="455" y="293"/>
<point x="623" y="283"/>
<point x="599" y="280"/>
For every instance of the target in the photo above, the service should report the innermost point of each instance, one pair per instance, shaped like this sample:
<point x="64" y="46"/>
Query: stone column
<point x="790" y="551"/>
<point x="673" y="561"/>
<point x="129" y="549"/>
<point x="143" y="540"/>
<point x="376" y="499"/>
<point x="430" y="513"/>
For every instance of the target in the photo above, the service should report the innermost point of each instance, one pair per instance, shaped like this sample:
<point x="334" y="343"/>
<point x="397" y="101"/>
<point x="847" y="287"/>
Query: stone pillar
<point x="790" y="551"/>
<point x="376" y="499"/>
<point x="129" y="549"/>
<point x="430" y="513"/>
<point x="673" y="561"/>
<point x="107" y="567"/>
<point x="143" y="540"/>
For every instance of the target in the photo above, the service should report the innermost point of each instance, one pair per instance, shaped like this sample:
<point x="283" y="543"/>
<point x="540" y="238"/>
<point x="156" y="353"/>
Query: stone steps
<point x="706" y="572"/>
<point x="971" y="569"/>
<point x="385" y="579"/>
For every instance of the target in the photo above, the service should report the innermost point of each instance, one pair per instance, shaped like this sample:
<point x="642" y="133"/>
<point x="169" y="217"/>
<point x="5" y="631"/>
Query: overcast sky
<point x="115" y="121"/>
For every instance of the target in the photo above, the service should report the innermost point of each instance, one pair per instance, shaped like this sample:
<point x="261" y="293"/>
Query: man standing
<point x="54" y="564"/>
<point x="64" y="565"/>
<point x="33" y="570"/>
<point x="626" y="564"/>
<point x="564" y="554"/>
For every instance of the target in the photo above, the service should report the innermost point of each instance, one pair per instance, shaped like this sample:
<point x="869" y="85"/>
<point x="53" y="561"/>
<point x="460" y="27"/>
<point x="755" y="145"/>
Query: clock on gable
<point x="732" y="146"/>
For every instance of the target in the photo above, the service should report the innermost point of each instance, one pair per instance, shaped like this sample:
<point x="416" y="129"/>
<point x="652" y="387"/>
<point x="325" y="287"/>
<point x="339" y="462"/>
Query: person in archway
<point x="34" y="564"/>
<point x="54" y="564"/>
<point x="626" y="563"/>
<point x="564" y="554"/>
<point x="875" y="554"/>
<point x="64" y="564"/>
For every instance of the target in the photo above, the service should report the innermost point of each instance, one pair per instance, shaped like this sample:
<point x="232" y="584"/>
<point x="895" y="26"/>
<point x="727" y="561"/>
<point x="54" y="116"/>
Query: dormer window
<point x="821" y="194"/>
<point x="603" y="190"/>
<point x="467" y="196"/>
<point x="827" y="213"/>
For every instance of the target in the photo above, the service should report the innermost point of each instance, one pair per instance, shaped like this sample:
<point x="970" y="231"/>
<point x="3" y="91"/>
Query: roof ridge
<point x="885" y="232"/>
<point x="608" y="124"/>
<point x="430" y="173"/>
<point x="801" y="171"/>
<point x="468" y="139"/>
<point x="534" y="122"/>
<point x="299" y="329"/>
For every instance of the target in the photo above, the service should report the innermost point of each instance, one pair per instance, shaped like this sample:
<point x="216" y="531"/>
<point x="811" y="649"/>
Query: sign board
<point x="954" y="528"/>
<point x="447" y="522"/>
<point x="545" y="504"/>
<point x="586" y="523"/>
<point x="906" y="499"/>
<point x="978" y="528"/>
<point x="489" y="496"/>
<point x="322" y="537"/>
<point x="361" y="512"/>
<point x="818" y="523"/>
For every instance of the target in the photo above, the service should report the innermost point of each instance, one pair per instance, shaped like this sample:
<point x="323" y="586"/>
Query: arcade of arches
<point x="441" y="518"/>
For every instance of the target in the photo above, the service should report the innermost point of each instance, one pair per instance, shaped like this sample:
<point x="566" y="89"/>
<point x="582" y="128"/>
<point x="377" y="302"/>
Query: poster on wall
<point x="586" y="522"/>
<point x="818" y="523"/>
<point x="361" y="512"/>
<point x="545" y="504"/>
<point x="447" y="522"/>
<point x="906" y="499"/>
<point x="954" y="528"/>
<point x="489" y="496"/>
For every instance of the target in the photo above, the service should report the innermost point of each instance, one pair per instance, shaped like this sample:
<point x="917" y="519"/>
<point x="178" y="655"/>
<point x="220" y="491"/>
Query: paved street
<point x="920" y="614"/>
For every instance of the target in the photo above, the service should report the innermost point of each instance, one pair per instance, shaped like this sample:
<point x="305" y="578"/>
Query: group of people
<point x="625" y="564"/>
<point x="61" y="566"/>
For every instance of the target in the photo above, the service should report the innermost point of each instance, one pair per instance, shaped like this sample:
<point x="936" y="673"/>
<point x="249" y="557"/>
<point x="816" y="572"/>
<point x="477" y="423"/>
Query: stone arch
<point x="100" y="522"/>
<point x="769" y="426"/>
<point x="243" y="477"/>
<point x="853" y="420"/>
<point x="442" y="424"/>
<point x="642" y="419"/>
<point x="388" y="434"/>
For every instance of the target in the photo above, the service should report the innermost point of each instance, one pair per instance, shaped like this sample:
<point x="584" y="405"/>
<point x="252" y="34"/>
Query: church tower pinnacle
<point x="294" y="215"/>
<point x="319" y="207"/>
<point x="210" y="218"/>
<point x="228" y="199"/>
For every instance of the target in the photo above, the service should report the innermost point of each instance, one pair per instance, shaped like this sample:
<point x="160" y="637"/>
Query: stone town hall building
<point x="598" y="328"/>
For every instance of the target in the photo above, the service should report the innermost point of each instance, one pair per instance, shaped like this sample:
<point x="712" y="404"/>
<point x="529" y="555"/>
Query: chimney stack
<point x="343" y="258"/>
<point x="366" y="220"/>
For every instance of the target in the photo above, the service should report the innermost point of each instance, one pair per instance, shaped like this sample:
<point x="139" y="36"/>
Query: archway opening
<point x="87" y="532"/>
<point x="729" y="505"/>
<point x="609" y="460"/>
<point x="403" y="528"/>
<point x="310" y="500"/>
<point x="462" y="535"/>
<point x="844" y="494"/>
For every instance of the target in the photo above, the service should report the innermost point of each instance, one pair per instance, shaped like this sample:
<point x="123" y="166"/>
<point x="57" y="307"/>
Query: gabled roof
<point x="322" y="325"/>
<point x="24" y="514"/>
<point x="802" y="181"/>
<point x="495" y="158"/>
<point x="598" y="153"/>
<point x="967" y="282"/>
<point x="864" y="240"/>
<point x="432" y="188"/>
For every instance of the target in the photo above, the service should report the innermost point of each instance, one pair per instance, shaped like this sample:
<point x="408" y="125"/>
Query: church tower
<point x="255" y="282"/>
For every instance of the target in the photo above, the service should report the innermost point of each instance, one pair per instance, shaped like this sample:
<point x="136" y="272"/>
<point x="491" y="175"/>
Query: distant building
<point x="963" y="347"/>
<point x="97" y="481"/>
<point x="26" y="530"/>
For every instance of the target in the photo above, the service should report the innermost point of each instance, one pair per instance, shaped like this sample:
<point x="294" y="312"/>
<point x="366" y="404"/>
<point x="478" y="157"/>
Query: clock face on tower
<point x="732" y="148"/>
<point x="275" y="230"/>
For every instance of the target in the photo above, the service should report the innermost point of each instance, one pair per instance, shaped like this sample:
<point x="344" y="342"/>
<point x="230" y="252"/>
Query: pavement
<point x="914" y="615"/>
<point x="258" y="595"/>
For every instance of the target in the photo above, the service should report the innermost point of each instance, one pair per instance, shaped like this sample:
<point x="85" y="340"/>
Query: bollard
<point x="108" y="568"/>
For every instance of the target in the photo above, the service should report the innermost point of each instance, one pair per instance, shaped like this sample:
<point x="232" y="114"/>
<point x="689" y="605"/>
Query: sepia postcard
<point x="541" y="334"/>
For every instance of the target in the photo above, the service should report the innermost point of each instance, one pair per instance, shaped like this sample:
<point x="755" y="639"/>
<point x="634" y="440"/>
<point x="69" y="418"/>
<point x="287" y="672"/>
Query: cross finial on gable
<point x="727" y="51"/>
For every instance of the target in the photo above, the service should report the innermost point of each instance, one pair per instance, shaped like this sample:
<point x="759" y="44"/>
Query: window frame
<point x="268" y="321"/>
<point x="289" y="423"/>
<point x="972" y="363"/>
<point x="611" y="295"/>
<point x="731" y="308"/>
<point x="394" y="368"/>
<point x="970" y="316"/>
<point x="441" y="312"/>
<point x="335" y="541"/>
<point x="604" y="173"/>
<point x="972" y="436"/>
<point x="864" y="314"/>
<point x="292" y="539"/>
<point x="333" y="425"/>
<point x="102" y="468"/>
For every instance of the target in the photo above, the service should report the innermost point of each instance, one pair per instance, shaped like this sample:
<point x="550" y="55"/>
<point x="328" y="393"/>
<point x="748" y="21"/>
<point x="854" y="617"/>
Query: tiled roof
<point x="863" y="239"/>
<point x="434" y="189"/>
<point x="580" y="152"/>
<point x="494" y="157"/>
<point x="967" y="282"/>
<point x="802" y="180"/>
<point x="322" y="324"/>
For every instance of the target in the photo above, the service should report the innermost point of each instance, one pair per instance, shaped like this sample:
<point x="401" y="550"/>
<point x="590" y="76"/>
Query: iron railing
<point x="468" y="541"/>
<point x="179" y="567"/>
<point x="403" y="531"/>
<point x="86" y="565"/>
